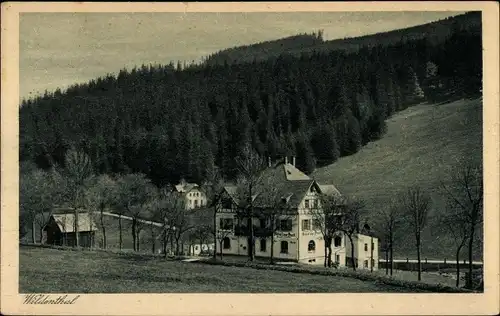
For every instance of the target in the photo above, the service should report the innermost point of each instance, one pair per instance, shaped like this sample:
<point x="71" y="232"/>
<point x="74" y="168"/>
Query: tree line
<point x="175" y="121"/>
<point x="461" y="218"/>
<point x="78" y="188"/>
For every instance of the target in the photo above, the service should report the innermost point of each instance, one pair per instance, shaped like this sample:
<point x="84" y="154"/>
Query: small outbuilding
<point x="60" y="230"/>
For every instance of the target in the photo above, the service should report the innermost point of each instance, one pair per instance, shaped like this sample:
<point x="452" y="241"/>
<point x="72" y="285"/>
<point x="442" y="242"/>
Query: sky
<point x="59" y="49"/>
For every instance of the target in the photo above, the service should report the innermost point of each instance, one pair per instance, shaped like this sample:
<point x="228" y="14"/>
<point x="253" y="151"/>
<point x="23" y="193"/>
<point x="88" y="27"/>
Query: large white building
<point x="298" y="236"/>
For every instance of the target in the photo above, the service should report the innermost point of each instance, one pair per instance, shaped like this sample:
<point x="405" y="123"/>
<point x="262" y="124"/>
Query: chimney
<point x="286" y="160"/>
<point x="269" y="161"/>
<point x="293" y="161"/>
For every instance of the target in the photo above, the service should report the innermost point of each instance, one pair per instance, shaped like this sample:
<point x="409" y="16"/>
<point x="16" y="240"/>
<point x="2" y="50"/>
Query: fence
<point x="428" y="265"/>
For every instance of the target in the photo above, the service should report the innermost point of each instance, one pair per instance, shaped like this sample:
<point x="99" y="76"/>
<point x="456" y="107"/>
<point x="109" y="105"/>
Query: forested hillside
<point x="171" y="122"/>
<point x="434" y="32"/>
<point x="268" y="49"/>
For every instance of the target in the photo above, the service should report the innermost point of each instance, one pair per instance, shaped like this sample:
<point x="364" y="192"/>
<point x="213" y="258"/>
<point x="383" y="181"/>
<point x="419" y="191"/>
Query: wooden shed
<point x="60" y="230"/>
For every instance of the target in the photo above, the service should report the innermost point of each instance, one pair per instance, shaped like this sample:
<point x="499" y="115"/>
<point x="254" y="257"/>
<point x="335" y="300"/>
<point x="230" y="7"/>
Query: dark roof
<point x="329" y="189"/>
<point x="290" y="185"/>
<point x="66" y="222"/>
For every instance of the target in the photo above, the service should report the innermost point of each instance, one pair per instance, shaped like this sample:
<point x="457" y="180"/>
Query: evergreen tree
<point x="305" y="160"/>
<point x="324" y="144"/>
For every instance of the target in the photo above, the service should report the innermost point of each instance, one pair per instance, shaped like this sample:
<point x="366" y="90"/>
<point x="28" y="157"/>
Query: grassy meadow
<point x="421" y="144"/>
<point x="41" y="270"/>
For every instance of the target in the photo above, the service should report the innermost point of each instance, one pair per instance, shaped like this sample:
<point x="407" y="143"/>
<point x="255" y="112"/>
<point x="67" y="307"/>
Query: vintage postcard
<point x="250" y="158"/>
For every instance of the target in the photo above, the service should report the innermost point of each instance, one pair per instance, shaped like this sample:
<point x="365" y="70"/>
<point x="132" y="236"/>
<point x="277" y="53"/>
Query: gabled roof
<point x="294" y="174"/>
<point x="290" y="193"/>
<point x="329" y="189"/>
<point x="290" y="184"/>
<point x="66" y="222"/>
<point x="185" y="187"/>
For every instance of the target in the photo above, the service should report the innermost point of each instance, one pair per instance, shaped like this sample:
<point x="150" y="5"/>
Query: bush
<point x="360" y="275"/>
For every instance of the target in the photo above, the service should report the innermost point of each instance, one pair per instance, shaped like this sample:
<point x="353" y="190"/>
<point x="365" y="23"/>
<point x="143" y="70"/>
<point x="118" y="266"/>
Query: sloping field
<point x="421" y="144"/>
<point x="44" y="270"/>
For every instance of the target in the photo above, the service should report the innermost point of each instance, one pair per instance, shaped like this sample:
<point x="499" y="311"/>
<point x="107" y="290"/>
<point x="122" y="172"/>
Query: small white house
<point x="365" y="252"/>
<point x="195" y="197"/>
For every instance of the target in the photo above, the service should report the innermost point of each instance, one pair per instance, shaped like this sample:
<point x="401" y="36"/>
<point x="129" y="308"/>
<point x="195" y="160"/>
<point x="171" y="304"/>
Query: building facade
<point x="365" y="252"/>
<point x="60" y="230"/>
<point x="297" y="236"/>
<point x="193" y="194"/>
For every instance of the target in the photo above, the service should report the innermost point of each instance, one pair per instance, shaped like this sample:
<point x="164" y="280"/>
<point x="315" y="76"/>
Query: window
<point x="195" y="203"/>
<point x="337" y="258"/>
<point x="306" y="202"/>
<point x="226" y="223"/>
<point x="366" y="247"/>
<point x="337" y="241"/>
<point x="284" y="247"/>
<point x="316" y="224"/>
<point x="285" y="225"/>
<point x="311" y="246"/>
<point x="315" y="204"/>
<point x="227" y="243"/>
<point x="365" y="264"/>
<point x="262" y="245"/>
<point x="306" y="224"/>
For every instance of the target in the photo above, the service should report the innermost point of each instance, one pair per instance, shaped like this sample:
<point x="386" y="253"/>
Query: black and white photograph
<point x="261" y="152"/>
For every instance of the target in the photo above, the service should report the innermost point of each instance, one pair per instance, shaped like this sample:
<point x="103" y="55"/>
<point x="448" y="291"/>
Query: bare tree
<point x="272" y="206"/>
<point x="465" y="195"/>
<point x="101" y="195"/>
<point x="78" y="171"/>
<point x="178" y="218"/>
<point x="326" y="218"/>
<point x="39" y="191"/>
<point x="349" y="222"/>
<point x="201" y="234"/>
<point x="455" y="223"/>
<point x="390" y="219"/>
<point x="213" y="190"/>
<point x="250" y="167"/>
<point x="159" y="210"/>
<point x="417" y="205"/>
<point x="135" y="191"/>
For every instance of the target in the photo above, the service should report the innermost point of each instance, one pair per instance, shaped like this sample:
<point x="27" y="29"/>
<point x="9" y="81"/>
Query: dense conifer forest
<point x="175" y="121"/>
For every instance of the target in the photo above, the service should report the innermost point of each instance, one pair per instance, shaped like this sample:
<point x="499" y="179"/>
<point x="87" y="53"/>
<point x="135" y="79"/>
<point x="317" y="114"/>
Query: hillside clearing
<point x="421" y="144"/>
<point x="98" y="272"/>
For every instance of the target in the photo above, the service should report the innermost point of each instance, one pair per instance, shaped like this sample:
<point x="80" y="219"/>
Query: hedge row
<point x="360" y="275"/>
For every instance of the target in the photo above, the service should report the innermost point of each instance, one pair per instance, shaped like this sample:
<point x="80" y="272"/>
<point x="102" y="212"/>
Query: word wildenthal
<point x="48" y="299"/>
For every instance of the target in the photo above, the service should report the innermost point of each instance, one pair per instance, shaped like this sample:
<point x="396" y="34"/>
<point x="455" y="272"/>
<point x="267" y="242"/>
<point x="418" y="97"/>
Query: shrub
<point x="360" y="275"/>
